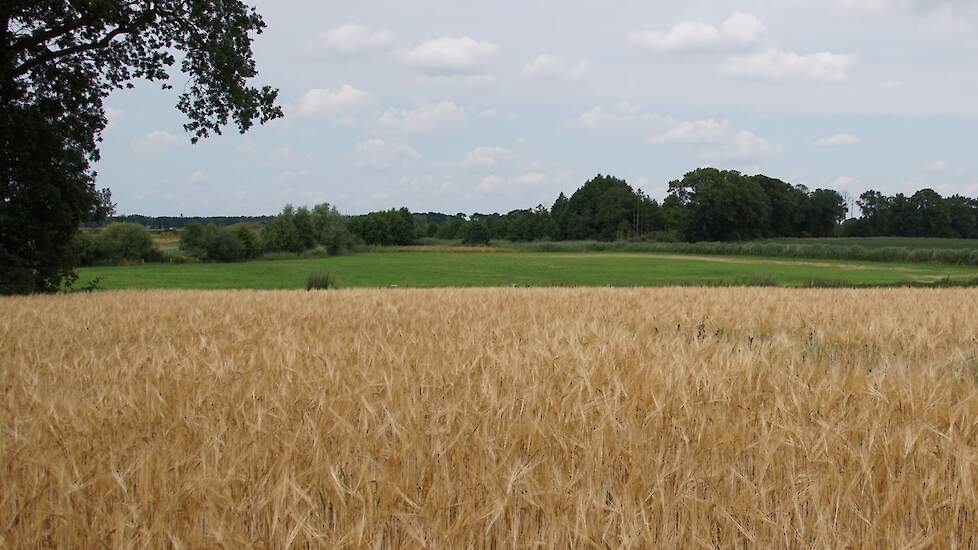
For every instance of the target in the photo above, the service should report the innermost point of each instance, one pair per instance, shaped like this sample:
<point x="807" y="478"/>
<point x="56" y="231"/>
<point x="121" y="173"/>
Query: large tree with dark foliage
<point x="59" y="59"/>
<point x="605" y="208"/>
<point x="725" y="205"/>
<point x="924" y="214"/>
<point x="720" y="205"/>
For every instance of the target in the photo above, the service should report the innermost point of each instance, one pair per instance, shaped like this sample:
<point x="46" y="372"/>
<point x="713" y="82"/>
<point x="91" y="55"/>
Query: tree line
<point x="924" y="214"/>
<point x="177" y="222"/>
<point x="706" y="205"/>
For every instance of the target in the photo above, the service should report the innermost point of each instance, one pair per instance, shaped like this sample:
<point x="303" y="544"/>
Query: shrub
<point x="250" y="241"/>
<point x="179" y="257"/>
<point x="321" y="280"/>
<point x="219" y="244"/>
<point x="116" y="244"/>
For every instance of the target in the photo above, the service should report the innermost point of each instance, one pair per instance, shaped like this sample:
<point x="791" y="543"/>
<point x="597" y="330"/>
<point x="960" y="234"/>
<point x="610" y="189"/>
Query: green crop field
<point x="887" y="242"/>
<point x="422" y="269"/>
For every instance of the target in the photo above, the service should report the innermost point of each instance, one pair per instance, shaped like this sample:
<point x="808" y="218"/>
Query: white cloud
<point x="379" y="153"/>
<point x="892" y="85"/>
<point x="157" y="141"/>
<point x="334" y="103"/>
<point x="527" y="179"/>
<point x="743" y="28"/>
<point x="441" y="56"/>
<point x="738" y="31"/>
<point x="469" y="81"/>
<point x="353" y="39"/>
<point x="531" y="178"/>
<point x="425" y="118"/>
<point x="938" y="166"/>
<point x="693" y="132"/>
<point x="745" y="146"/>
<point x="624" y="116"/>
<point x="486" y="157"/>
<point x="550" y="67"/>
<point x="781" y="65"/>
<point x="838" y="140"/>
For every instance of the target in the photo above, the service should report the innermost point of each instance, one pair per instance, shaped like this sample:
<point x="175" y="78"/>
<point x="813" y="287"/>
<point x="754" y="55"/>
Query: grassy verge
<point x="446" y="269"/>
<point x="770" y="249"/>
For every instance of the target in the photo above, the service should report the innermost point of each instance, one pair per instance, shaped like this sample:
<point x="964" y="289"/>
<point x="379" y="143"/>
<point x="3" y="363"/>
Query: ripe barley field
<point x="475" y="418"/>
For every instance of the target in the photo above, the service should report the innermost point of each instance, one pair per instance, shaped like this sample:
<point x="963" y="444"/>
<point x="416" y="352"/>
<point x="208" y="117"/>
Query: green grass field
<point x="885" y="242"/>
<point x="422" y="269"/>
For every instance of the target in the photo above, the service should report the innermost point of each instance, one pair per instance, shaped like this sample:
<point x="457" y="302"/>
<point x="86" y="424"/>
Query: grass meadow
<point x="489" y="418"/>
<point x="417" y="268"/>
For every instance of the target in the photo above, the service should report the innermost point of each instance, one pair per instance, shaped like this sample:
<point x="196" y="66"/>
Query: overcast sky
<point x="462" y="106"/>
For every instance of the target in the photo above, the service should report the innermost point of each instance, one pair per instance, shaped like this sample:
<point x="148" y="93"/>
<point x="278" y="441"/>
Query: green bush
<point x="178" y="257"/>
<point x="127" y="242"/>
<point x="321" y="280"/>
<point x="220" y="244"/>
<point x="118" y="243"/>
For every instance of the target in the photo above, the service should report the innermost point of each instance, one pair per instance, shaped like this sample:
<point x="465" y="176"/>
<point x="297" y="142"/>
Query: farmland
<point x="676" y="417"/>
<point x="429" y="269"/>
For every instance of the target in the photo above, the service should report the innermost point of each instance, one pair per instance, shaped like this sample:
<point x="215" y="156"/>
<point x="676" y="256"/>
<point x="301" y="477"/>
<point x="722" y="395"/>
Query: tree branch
<point x="50" y="56"/>
<point x="39" y="38"/>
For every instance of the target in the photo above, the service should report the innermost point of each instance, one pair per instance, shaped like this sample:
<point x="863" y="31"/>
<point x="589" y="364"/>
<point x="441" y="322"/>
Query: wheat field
<point x="531" y="418"/>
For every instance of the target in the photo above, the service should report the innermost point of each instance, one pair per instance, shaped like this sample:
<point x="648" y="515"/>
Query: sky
<point x="463" y="106"/>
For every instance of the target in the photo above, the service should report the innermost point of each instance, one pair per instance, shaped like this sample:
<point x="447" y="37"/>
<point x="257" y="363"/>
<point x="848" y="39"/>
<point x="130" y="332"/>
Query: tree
<point x="306" y="229"/>
<point x="560" y="213"/>
<point x="331" y="229"/>
<point x="875" y="220"/>
<point x="220" y="244"/>
<point x="721" y="205"/>
<point x="964" y="216"/>
<point x="250" y="241"/>
<point x="932" y="215"/>
<point x="605" y="208"/>
<point x="826" y="208"/>
<point x="59" y="59"/>
<point x="787" y="206"/>
<point x="476" y="233"/>
<point x="126" y="242"/>
<point x="282" y="234"/>
<point x="401" y="226"/>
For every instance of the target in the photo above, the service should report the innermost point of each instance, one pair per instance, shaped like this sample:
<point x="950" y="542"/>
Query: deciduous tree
<point x="59" y="60"/>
